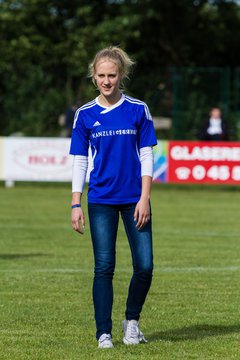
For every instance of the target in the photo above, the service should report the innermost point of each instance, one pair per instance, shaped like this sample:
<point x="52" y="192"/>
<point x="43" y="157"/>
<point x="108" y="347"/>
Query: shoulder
<point x="83" y="110"/>
<point x="134" y="101"/>
<point x="138" y="105"/>
<point x="87" y="106"/>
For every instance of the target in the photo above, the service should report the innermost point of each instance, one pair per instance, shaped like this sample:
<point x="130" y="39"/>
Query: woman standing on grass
<point x="121" y="134"/>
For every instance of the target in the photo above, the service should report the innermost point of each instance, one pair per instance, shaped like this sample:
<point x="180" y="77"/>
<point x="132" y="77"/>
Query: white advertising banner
<point x="36" y="159"/>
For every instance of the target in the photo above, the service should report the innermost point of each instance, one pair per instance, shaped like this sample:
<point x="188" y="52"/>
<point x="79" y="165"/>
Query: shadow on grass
<point x="194" y="332"/>
<point x="20" y="256"/>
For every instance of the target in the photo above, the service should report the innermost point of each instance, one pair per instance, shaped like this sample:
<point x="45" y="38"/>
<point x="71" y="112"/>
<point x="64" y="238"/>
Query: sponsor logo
<point x="205" y="153"/>
<point x="97" y="123"/>
<point x="114" y="133"/>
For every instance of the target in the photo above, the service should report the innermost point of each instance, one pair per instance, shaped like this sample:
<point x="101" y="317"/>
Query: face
<point x="107" y="78"/>
<point x="215" y="113"/>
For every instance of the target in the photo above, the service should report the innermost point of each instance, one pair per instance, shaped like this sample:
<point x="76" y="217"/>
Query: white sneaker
<point x="132" y="333"/>
<point x="105" y="341"/>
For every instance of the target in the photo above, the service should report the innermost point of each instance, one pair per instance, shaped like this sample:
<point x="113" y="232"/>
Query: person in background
<point x="120" y="131"/>
<point x="215" y="128"/>
<point x="69" y="117"/>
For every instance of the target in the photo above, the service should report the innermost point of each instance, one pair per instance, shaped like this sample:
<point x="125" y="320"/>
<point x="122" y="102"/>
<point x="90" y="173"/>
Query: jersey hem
<point x="113" y="202"/>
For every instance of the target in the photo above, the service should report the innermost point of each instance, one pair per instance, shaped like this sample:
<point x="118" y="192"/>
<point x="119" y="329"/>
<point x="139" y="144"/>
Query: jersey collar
<point x="110" y="108"/>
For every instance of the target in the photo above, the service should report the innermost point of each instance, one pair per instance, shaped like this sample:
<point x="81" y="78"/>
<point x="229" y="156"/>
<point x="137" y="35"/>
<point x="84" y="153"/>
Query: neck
<point x="111" y="100"/>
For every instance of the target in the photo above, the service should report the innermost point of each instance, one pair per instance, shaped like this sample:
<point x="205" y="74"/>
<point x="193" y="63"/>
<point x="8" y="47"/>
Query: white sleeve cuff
<point x="79" y="171"/>
<point x="146" y="159"/>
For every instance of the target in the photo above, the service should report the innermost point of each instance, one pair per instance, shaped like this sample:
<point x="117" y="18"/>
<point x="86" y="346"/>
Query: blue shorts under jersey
<point x="115" y="134"/>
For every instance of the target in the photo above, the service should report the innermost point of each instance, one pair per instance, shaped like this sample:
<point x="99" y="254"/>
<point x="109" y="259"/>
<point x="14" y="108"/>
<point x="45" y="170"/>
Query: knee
<point x="144" y="272"/>
<point x="104" y="270"/>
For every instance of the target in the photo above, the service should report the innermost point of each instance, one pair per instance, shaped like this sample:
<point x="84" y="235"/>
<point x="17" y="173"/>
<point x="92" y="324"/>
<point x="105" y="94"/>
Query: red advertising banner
<point x="204" y="162"/>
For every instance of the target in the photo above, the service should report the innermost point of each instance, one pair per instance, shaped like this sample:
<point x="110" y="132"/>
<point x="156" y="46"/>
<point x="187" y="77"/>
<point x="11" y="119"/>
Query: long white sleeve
<point x="79" y="171"/>
<point x="146" y="159"/>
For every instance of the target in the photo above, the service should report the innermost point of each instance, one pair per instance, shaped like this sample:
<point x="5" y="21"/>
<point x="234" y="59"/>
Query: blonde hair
<point x="115" y="54"/>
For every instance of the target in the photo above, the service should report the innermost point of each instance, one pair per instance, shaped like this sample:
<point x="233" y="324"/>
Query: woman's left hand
<point x="142" y="213"/>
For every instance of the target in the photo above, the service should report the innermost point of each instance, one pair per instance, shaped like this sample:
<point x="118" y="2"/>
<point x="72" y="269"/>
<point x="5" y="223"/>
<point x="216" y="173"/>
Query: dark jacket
<point x="203" y="134"/>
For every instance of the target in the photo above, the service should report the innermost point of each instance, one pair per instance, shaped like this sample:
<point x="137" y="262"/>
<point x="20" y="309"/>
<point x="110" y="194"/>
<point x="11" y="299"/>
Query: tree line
<point x="46" y="45"/>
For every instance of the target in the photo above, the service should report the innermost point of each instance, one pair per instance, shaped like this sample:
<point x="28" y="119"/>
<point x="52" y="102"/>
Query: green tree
<point x="46" y="45"/>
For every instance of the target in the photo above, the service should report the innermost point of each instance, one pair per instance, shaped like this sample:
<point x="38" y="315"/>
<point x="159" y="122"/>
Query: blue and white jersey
<point x="116" y="134"/>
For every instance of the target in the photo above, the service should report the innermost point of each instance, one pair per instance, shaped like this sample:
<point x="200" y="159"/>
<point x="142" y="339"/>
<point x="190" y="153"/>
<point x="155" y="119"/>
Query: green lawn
<point x="192" y="311"/>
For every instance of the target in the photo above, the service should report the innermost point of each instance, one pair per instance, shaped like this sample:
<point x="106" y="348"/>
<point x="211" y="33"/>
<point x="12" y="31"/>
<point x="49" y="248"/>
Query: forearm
<point x="146" y="187"/>
<point x="80" y="165"/>
<point x="76" y="198"/>
<point x="77" y="214"/>
<point x="146" y="159"/>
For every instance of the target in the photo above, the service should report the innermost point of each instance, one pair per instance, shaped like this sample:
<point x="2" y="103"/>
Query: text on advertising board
<point x="196" y="162"/>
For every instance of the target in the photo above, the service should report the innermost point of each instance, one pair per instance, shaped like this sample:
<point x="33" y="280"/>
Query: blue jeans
<point x="104" y="225"/>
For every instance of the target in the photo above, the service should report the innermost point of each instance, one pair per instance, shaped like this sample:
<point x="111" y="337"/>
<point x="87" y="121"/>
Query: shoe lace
<point x="132" y="330"/>
<point x="105" y="337"/>
<point x="141" y="337"/>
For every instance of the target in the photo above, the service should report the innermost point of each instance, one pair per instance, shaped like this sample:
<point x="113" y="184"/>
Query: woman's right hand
<point x="78" y="221"/>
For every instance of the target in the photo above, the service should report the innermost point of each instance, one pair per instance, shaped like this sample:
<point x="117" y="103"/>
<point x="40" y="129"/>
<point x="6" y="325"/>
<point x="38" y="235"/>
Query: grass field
<point x="192" y="311"/>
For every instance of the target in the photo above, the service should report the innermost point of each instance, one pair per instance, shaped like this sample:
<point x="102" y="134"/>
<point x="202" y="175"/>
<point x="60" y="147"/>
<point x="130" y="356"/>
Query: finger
<point x="140" y="221"/>
<point x="81" y="226"/>
<point x="75" y="227"/>
<point x="143" y="222"/>
<point x="147" y="219"/>
<point x="82" y="219"/>
<point x="74" y="222"/>
<point x="141" y="226"/>
<point x="136" y="214"/>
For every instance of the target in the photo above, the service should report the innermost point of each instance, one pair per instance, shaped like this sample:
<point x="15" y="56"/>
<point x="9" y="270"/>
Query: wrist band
<point x="76" y="206"/>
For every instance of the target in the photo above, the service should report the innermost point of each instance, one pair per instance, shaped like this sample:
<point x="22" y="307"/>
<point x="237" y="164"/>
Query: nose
<point x="106" y="80"/>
